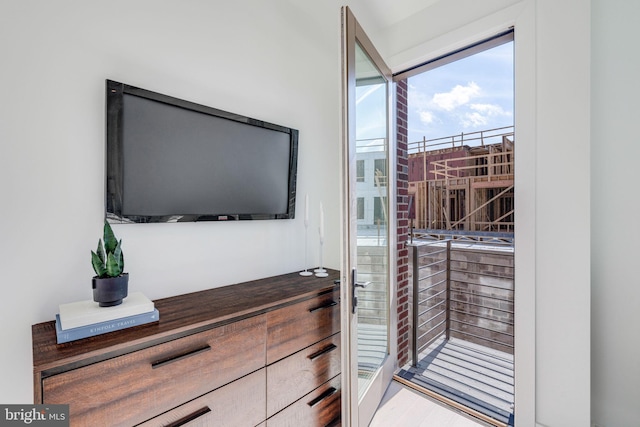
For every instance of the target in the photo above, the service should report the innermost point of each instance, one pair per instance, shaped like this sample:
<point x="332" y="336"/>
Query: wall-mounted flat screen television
<point x="171" y="160"/>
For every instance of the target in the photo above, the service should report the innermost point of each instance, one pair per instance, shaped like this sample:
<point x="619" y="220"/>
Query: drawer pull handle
<point x="334" y="422"/>
<point x="327" y="305"/>
<point x="320" y="352"/>
<point x="330" y="392"/>
<point x="184" y="420"/>
<point x="163" y="362"/>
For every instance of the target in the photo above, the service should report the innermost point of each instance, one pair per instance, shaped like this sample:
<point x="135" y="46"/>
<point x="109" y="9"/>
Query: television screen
<point x="170" y="160"/>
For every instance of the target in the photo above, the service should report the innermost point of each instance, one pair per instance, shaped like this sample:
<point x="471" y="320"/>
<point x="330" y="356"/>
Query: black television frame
<point x="115" y="92"/>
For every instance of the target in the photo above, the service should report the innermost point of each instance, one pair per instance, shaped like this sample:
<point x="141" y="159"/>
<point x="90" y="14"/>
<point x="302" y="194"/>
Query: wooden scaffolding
<point x="464" y="187"/>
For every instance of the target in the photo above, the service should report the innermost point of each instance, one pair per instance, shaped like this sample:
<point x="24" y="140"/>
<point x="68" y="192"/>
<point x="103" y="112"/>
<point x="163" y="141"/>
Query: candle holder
<point x="321" y="272"/>
<point x="306" y="272"/>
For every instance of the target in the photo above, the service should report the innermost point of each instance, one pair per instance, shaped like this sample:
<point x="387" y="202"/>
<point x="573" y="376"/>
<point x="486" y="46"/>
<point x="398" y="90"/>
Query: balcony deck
<point x="477" y="377"/>
<point x="462" y="319"/>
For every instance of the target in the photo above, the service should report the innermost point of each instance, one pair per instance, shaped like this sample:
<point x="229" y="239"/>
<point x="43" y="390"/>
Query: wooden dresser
<point x="261" y="353"/>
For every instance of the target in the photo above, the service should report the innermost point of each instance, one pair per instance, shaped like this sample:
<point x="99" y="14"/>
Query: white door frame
<point x="522" y="17"/>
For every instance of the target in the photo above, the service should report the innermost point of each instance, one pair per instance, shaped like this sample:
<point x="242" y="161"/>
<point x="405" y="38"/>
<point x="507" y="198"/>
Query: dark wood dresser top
<point x="180" y="315"/>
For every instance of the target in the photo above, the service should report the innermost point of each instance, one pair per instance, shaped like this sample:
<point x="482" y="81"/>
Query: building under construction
<point x="463" y="182"/>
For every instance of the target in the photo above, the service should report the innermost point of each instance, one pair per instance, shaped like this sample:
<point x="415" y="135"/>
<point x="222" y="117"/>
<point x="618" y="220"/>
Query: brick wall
<point x="403" y="223"/>
<point x="417" y="162"/>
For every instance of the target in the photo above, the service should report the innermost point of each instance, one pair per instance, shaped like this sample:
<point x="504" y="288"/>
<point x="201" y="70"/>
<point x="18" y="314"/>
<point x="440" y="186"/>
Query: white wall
<point x="615" y="204"/>
<point x="562" y="213"/>
<point x="269" y="60"/>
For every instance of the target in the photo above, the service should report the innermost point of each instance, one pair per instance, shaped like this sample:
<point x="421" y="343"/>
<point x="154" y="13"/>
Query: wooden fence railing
<point x="462" y="292"/>
<point x="479" y="138"/>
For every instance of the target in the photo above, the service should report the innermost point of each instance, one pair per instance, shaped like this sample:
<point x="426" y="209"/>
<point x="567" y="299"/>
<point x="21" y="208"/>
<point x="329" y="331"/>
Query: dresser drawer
<point x="240" y="403"/>
<point x="301" y="373"/>
<point x="320" y="408"/>
<point x="138" y="386"/>
<point x="297" y="326"/>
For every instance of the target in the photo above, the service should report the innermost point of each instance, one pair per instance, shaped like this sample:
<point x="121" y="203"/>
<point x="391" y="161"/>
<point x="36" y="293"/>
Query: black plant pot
<point x="110" y="291"/>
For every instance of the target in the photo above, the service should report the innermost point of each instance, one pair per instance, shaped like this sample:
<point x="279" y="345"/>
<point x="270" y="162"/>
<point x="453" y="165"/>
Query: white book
<point x="88" y="312"/>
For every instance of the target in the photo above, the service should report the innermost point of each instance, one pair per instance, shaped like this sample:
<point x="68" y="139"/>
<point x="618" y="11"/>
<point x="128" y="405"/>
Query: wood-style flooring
<point x="404" y="407"/>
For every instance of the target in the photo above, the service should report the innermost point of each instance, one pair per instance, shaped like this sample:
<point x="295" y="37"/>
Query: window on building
<point x="360" y="170"/>
<point x="380" y="171"/>
<point x="379" y="211"/>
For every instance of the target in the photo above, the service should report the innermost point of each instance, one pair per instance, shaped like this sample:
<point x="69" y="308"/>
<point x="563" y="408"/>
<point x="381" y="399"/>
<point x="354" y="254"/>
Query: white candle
<point x="321" y="222"/>
<point x="306" y="210"/>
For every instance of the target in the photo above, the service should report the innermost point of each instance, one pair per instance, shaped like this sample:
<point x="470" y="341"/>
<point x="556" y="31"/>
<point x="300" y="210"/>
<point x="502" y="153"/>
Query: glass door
<point x="368" y="264"/>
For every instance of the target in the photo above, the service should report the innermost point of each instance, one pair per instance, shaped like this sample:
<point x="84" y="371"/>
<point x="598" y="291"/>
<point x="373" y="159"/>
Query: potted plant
<point x="110" y="285"/>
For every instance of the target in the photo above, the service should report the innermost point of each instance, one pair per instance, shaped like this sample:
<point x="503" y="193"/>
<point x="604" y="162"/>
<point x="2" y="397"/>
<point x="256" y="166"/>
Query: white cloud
<point x="481" y="115"/>
<point x="459" y="95"/>
<point x="426" y="117"/>
<point x="422" y="106"/>
<point x="474" y="119"/>
<point x="489" y="109"/>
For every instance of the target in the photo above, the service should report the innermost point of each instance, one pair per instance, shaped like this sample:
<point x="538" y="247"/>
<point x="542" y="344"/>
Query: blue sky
<point x="472" y="94"/>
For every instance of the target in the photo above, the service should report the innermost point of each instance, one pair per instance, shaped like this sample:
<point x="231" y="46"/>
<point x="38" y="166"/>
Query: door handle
<point x="361" y="284"/>
<point x="355" y="284"/>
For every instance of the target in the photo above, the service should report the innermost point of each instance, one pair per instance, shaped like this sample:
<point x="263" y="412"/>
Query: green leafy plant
<point x="108" y="260"/>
